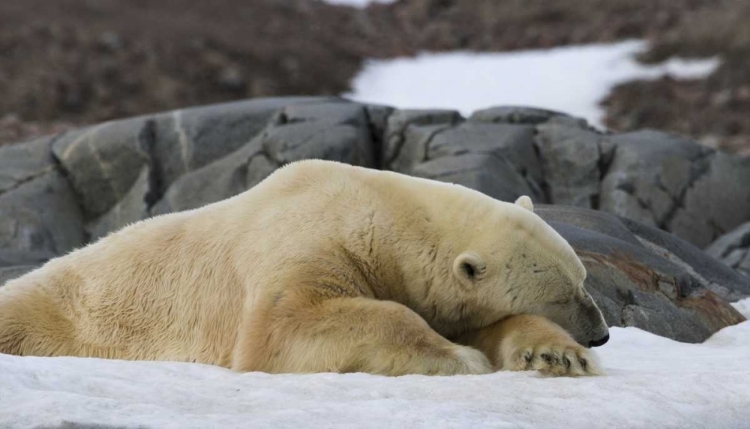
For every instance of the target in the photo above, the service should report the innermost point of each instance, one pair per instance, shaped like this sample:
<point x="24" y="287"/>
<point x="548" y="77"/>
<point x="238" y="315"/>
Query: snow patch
<point x="743" y="307"/>
<point x="572" y="79"/>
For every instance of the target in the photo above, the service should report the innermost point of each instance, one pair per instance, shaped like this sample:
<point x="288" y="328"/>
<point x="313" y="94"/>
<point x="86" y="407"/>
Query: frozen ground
<point x="652" y="382"/>
<point x="570" y="79"/>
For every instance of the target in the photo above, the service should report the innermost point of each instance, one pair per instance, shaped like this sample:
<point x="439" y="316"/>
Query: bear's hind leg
<point x="31" y="325"/>
<point x="351" y="335"/>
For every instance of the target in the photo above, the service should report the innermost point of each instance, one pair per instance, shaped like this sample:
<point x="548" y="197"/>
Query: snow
<point x="651" y="382"/>
<point x="357" y="3"/>
<point x="571" y="79"/>
<point x="743" y="307"/>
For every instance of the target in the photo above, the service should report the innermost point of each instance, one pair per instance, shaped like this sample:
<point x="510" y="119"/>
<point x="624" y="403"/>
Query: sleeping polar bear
<point x="321" y="267"/>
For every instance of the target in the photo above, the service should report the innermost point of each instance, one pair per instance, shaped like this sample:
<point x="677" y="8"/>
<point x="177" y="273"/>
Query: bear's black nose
<point x="600" y="342"/>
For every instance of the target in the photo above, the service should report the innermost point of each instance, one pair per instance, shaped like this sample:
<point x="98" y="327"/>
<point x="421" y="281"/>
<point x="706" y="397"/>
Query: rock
<point x="298" y="141"/>
<point x="733" y="248"/>
<point x="413" y="150"/>
<point x="336" y="112"/>
<point x="219" y="180"/>
<point x="711" y="274"/>
<point x="718" y="201"/>
<point x="513" y="143"/>
<point x="131" y="208"/>
<point x="186" y="140"/>
<point x="399" y="121"/>
<point x="21" y="163"/>
<point x="497" y="159"/>
<point x="673" y="183"/>
<point x="514" y="115"/>
<point x="335" y="130"/>
<point x="58" y="193"/>
<point x="10" y="258"/>
<point x="332" y="131"/>
<point x="571" y="161"/>
<point x="636" y="285"/>
<point x="488" y="174"/>
<point x="377" y="116"/>
<point x="41" y="215"/>
<point x="649" y="174"/>
<point x="104" y="161"/>
<point x="593" y="220"/>
<point x="10" y="273"/>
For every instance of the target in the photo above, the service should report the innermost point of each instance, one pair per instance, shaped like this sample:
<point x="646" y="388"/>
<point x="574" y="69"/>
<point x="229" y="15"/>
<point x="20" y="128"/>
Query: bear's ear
<point x="525" y="202"/>
<point x="469" y="267"/>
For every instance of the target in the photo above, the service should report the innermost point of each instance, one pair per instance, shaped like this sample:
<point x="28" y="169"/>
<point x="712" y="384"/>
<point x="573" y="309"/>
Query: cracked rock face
<point x="733" y="248"/>
<point x="676" y="185"/>
<point x="61" y="192"/>
<point x="641" y="277"/>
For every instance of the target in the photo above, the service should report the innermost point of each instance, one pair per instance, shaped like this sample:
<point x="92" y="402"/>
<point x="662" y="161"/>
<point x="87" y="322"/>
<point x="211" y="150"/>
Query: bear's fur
<point x="321" y="267"/>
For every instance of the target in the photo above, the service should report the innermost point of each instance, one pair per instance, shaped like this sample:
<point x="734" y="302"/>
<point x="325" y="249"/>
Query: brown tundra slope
<point x="72" y="62"/>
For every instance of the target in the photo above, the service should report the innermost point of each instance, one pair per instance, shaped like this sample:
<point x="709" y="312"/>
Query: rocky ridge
<point x="636" y="207"/>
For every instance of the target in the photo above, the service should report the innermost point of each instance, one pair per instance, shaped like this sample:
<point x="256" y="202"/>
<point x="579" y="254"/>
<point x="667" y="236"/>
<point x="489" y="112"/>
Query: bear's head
<point x="508" y="261"/>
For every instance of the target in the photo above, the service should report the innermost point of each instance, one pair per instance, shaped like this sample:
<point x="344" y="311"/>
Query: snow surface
<point x="571" y="79"/>
<point x="357" y="3"/>
<point x="652" y="382"/>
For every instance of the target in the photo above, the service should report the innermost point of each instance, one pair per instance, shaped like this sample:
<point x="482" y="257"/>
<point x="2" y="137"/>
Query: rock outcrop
<point x="630" y="204"/>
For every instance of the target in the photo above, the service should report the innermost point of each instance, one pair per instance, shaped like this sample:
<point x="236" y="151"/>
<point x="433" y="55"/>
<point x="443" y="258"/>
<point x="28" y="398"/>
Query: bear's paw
<point x="559" y="357"/>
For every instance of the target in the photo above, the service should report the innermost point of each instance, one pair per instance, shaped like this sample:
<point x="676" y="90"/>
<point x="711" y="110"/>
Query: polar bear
<point x="322" y="267"/>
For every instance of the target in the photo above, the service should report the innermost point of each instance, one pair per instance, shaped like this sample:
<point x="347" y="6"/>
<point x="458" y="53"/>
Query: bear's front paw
<point x="558" y="358"/>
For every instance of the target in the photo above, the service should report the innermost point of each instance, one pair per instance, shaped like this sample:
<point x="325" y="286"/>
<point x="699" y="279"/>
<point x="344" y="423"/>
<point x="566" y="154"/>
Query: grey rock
<point x="570" y="160"/>
<point x="511" y="142"/>
<point x="647" y="283"/>
<point x="186" y="140"/>
<point x="666" y="321"/>
<point x="735" y="257"/>
<point x="377" y="116"/>
<point x="20" y="163"/>
<point x="332" y="130"/>
<point x="41" y="215"/>
<point x="121" y="172"/>
<point x="515" y="115"/>
<point x="416" y="140"/>
<point x="219" y="180"/>
<point x="10" y="258"/>
<point x="489" y="174"/>
<point x="717" y="202"/>
<point x="505" y="150"/>
<point x="602" y="222"/>
<point x="710" y="273"/>
<point x="104" y="161"/>
<point x="318" y="139"/>
<point x="736" y="239"/>
<point x="400" y="120"/>
<point x="333" y="112"/>
<point x="744" y="265"/>
<point x="131" y="208"/>
<point x="677" y="185"/>
<point x="257" y="170"/>
<point x="649" y="173"/>
<point x="14" y="272"/>
<point x="733" y="248"/>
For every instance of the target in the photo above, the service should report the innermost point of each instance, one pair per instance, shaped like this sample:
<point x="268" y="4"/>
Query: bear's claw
<point x="556" y="360"/>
